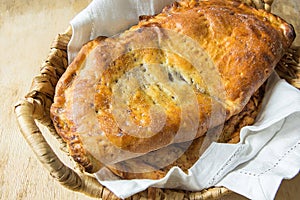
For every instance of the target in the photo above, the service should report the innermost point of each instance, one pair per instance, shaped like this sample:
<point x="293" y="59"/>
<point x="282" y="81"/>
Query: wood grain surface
<point x="27" y="28"/>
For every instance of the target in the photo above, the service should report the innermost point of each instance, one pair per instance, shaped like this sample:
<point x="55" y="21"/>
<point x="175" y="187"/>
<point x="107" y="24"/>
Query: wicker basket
<point x="35" y="109"/>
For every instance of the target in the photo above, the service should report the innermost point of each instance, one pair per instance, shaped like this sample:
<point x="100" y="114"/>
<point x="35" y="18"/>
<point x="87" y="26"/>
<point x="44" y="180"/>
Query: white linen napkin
<point x="107" y="18"/>
<point x="268" y="152"/>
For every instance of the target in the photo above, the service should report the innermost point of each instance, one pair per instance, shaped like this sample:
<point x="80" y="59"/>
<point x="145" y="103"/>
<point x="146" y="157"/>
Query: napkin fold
<point x="279" y="158"/>
<point x="107" y="18"/>
<point x="267" y="152"/>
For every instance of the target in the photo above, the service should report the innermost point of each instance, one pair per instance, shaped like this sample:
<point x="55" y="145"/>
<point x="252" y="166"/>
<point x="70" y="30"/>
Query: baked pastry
<point x="167" y="80"/>
<point x="156" y="165"/>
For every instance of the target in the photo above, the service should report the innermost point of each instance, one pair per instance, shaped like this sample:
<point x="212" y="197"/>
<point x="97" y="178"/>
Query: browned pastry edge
<point x="74" y="142"/>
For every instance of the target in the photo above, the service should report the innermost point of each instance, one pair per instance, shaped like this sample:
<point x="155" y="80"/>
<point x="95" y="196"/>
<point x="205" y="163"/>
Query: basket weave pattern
<point x="36" y="106"/>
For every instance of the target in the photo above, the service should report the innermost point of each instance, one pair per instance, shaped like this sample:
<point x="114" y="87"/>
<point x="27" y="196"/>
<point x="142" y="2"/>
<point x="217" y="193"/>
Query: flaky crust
<point x="243" y="43"/>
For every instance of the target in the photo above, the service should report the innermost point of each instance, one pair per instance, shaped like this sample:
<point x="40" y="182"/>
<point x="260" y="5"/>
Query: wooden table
<point x="27" y="29"/>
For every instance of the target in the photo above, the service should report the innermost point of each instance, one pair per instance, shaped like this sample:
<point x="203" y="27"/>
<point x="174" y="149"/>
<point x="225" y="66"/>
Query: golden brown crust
<point x="243" y="43"/>
<point x="259" y="37"/>
<point x="146" y="167"/>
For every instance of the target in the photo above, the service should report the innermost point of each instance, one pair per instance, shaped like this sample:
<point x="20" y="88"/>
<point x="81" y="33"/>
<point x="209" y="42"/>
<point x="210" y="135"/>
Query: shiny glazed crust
<point x="243" y="43"/>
